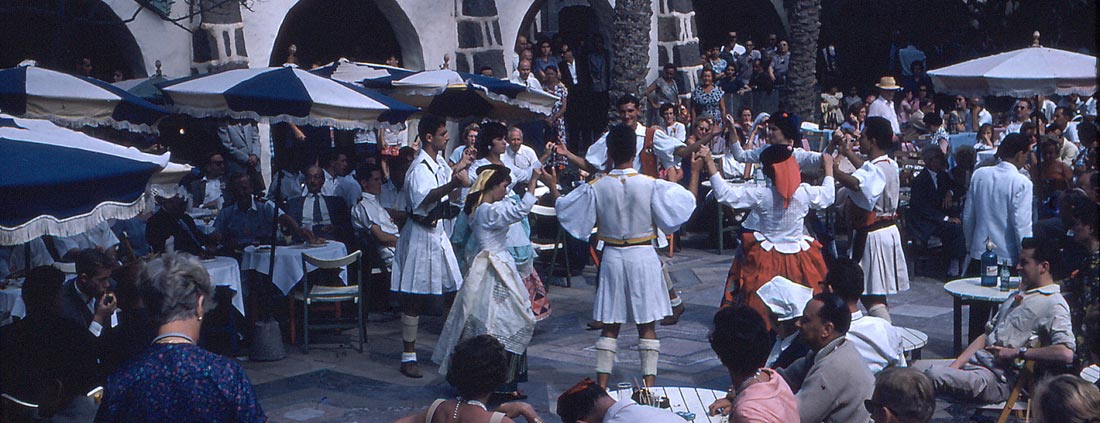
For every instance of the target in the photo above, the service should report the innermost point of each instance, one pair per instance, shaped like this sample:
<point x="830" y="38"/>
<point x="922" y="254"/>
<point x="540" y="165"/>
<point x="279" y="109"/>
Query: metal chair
<point x="329" y="294"/>
<point x="558" y="243"/>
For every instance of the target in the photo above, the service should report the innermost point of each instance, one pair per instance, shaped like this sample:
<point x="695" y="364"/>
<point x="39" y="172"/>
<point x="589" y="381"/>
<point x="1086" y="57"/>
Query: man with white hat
<point x="884" y="105"/>
<point x="786" y="300"/>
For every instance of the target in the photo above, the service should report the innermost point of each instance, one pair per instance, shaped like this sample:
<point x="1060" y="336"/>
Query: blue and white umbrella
<point x="284" y="94"/>
<point x="456" y="94"/>
<point x="74" y="101"/>
<point x="347" y="71"/>
<point x="56" y="181"/>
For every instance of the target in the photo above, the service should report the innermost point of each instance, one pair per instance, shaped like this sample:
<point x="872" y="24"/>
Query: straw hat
<point x="887" y="83"/>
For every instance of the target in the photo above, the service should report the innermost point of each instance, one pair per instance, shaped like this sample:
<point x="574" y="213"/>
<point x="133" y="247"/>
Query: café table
<point x="721" y="229"/>
<point x="224" y="271"/>
<point x="981" y="300"/>
<point x="683" y="400"/>
<point x="1090" y="373"/>
<point x="288" y="261"/>
<point x="11" y="301"/>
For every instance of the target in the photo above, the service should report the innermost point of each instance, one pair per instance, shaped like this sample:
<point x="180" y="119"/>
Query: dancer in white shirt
<point x="424" y="263"/>
<point x="630" y="207"/>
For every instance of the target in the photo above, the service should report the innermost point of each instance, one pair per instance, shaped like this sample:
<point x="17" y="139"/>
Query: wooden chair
<point x="329" y="294"/>
<point x="553" y="245"/>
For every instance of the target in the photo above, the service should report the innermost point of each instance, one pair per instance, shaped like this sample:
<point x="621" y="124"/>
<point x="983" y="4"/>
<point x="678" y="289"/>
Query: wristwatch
<point x="1021" y="352"/>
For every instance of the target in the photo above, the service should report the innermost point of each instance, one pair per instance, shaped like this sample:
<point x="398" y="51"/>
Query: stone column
<point x="218" y="42"/>
<point x="677" y="42"/>
<point x="479" y="40"/>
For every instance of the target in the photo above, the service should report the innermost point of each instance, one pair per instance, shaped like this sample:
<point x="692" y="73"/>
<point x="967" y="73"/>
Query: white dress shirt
<point x="369" y="213"/>
<point x="525" y="158"/>
<point x="307" y="211"/>
<point x="998" y="207"/>
<point x="885" y="109"/>
<point x="664" y="148"/>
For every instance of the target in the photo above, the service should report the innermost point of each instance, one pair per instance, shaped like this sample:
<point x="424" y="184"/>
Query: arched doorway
<point x="751" y="19"/>
<point x="58" y="34"/>
<point x="359" y="30"/>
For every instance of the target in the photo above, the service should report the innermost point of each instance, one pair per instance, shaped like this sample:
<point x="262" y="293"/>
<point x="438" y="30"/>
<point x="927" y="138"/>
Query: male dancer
<point x="424" y="263"/>
<point x="629" y="207"/>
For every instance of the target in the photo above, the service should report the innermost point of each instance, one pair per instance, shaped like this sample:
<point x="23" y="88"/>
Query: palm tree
<point x="801" y="95"/>
<point x="630" y="41"/>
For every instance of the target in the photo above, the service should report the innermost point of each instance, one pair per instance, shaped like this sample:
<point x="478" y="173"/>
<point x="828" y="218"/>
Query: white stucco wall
<point x="157" y="38"/>
<point x="432" y="20"/>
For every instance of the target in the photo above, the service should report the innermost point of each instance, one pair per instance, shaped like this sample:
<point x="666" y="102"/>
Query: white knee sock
<point x="880" y="311"/>
<point x="605" y="354"/>
<point x="649" y="350"/>
<point x="408" y="327"/>
<point x="677" y="301"/>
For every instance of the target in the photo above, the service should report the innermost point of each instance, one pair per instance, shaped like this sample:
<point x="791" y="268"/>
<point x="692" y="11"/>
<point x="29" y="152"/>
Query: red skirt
<point x="757" y="266"/>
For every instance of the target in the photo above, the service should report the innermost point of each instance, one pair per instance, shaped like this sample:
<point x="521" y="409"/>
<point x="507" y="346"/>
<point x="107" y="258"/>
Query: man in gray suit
<point x="241" y="144"/>
<point x="832" y="381"/>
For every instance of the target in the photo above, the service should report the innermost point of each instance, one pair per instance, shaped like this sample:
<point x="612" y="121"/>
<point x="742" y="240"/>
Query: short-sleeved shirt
<point x="248" y="225"/>
<point x="1040" y="314"/>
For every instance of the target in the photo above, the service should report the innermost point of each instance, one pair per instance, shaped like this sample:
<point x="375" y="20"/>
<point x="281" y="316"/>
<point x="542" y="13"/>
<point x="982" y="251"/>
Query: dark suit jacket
<point x="926" y="212"/>
<point x="795" y="351"/>
<point x="47" y="347"/>
<point x="338" y="212"/>
<point x="73" y="307"/>
<point x="163" y="225"/>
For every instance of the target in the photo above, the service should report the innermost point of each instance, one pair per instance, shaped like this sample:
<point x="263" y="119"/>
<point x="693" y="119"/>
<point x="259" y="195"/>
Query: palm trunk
<point x="630" y="52"/>
<point x="800" y="97"/>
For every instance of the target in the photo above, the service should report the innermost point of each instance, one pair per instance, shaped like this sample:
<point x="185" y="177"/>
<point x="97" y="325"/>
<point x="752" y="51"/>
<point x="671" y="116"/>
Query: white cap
<point x="785" y="298"/>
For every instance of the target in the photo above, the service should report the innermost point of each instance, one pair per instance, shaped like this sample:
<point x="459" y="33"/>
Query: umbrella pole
<point x="267" y="314"/>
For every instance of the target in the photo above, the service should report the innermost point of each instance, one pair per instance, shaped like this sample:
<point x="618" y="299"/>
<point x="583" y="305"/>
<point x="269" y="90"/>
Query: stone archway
<point x="58" y="34"/>
<point x="753" y="19"/>
<point x="360" y="30"/>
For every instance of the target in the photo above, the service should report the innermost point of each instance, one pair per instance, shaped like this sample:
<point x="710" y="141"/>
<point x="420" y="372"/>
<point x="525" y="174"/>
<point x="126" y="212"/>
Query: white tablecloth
<point x="224" y="271"/>
<point x="971" y="289"/>
<point x="288" y="262"/>
<point x="683" y="399"/>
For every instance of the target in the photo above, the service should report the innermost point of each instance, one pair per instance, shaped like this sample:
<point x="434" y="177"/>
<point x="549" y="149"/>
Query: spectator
<point x="832" y="381"/>
<point x="524" y="76"/>
<point x="762" y="85"/>
<point x="1082" y="288"/>
<point x="966" y="160"/>
<point x="248" y="220"/>
<point x="956" y="115"/>
<point x="876" y="339"/>
<point x="932" y="209"/>
<point x="543" y="60"/>
<point x="209" y="191"/>
<point x="1066" y="399"/>
<point x="786" y="301"/>
<point x="934" y="123"/>
<point x="84" y="299"/>
<point x="707" y="98"/>
<point x="1050" y="177"/>
<point x="1086" y="156"/>
<point x="486" y="71"/>
<point x="756" y="393"/>
<point x="556" y="120"/>
<point x="672" y="127"/>
<point x="172" y="221"/>
<point x="469" y="140"/>
<point x="716" y="64"/>
<point x="240" y="142"/>
<point x="478" y="365"/>
<point x="48" y="360"/>
<point x="976" y="116"/>
<point x="324" y="216"/>
<point x="1022" y="110"/>
<point x="744" y="63"/>
<point x="175" y="377"/>
<point x="985" y="138"/>
<point x="135" y="328"/>
<point x="902" y="396"/>
<point x="998" y="203"/>
<point x="857" y="114"/>
<point x="589" y="403"/>
<point x="369" y="216"/>
<point x="884" y="106"/>
<point x="337" y="182"/>
<point x="663" y="90"/>
<point x="731" y="51"/>
<point x="518" y="155"/>
<point x="1063" y="119"/>
<point x="1037" y="314"/>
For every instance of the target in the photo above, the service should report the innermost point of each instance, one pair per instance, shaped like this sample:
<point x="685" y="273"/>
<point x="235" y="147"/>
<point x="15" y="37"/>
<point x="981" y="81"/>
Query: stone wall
<point x="480" y="42"/>
<point x="676" y="40"/>
<point x="218" y="42"/>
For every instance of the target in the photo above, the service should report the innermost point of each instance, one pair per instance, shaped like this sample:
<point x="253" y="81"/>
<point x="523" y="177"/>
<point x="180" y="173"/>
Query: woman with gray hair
<point x="175" y="379"/>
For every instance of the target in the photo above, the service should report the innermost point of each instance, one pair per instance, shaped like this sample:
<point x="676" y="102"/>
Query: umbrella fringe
<point x="297" y="120"/>
<point x="545" y="110"/>
<point x="73" y="225"/>
<point x="97" y="122"/>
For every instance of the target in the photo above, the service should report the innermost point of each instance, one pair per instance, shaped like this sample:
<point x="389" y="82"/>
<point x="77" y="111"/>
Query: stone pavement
<point x="334" y="383"/>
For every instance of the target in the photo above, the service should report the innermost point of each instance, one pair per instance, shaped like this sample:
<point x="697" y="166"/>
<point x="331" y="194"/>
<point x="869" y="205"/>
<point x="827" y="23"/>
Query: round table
<point x="684" y="399"/>
<point x="224" y="271"/>
<point x="912" y="340"/>
<point x="1090" y="373"/>
<point x="980" y="299"/>
<point x="288" y="261"/>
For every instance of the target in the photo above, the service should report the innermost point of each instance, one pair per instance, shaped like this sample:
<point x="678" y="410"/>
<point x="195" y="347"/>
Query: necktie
<point x="316" y="209"/>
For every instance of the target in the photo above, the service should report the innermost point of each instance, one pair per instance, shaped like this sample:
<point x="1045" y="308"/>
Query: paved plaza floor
<point x="335" y="383"/>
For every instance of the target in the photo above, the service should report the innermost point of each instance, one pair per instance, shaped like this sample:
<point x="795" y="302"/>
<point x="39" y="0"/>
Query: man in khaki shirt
<point x="1033" y="324"/>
